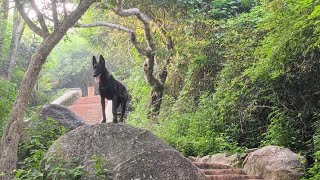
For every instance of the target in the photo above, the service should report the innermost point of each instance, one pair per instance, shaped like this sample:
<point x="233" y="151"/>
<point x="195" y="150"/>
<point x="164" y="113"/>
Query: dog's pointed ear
<point x="101" y="60"/>
<point x="94" y="61"/>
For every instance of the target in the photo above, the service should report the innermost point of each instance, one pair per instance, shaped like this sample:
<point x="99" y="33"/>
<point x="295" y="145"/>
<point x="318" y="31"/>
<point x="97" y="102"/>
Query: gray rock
<point x="63" y="115"/>
<point x="275" y="163"/>
<point x="128" y="151"/>
<point x="163" y="164"/>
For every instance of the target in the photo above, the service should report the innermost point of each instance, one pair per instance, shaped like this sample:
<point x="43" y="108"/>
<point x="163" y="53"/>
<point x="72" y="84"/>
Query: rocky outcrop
<point x="274" y="163"/>
<point x="128" y="153"/>
<point x="62" y="114"/>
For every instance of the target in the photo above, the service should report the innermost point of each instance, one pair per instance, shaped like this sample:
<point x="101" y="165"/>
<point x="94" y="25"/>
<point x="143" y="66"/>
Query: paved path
<point x="89" y="108"/>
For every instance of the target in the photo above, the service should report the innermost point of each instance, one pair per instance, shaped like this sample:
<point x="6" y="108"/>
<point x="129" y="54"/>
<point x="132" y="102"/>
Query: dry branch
<point x="40" y="17"/>
<point x="54" y="13"/>
<point x="28" y="21"/>
<point x="119" y="27"/>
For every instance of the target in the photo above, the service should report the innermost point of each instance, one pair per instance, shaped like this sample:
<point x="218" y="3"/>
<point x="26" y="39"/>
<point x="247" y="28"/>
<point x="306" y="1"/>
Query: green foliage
<point x="70" y="64"/>
<point x="99" y="164"/>
<point x="7" y="97"/>
<point x="68" y="170"/>
<point x="38" y="137"/>
<point x="243" y="77"/>
<point x="5" y="38"/>
<point x="280" y="131"/>
<point x="191" y="129"/>
<point x="313" y="173"/>
<point x="139" y="90"/>
<point x="218" y="9"/>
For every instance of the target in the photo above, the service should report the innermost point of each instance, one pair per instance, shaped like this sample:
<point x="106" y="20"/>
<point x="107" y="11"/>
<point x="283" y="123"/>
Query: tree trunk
<point x="17" y="32"/>
<point x="13" y="131"/>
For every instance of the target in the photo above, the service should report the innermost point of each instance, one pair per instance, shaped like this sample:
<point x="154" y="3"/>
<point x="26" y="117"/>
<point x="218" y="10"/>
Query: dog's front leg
<point x="103" y="105"/>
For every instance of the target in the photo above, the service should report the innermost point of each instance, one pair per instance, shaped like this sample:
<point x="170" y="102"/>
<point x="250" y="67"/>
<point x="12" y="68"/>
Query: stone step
<point x="222" y="171"/>
<point x="232" y="177"/>
<point x="205" y="165"/>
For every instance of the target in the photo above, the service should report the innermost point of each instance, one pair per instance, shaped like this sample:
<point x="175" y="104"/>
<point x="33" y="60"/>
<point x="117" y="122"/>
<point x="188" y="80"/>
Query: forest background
<point x="227" y="75"/>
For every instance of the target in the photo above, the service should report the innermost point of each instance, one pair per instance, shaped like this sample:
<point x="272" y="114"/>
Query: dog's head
<point x="98" y="68"/>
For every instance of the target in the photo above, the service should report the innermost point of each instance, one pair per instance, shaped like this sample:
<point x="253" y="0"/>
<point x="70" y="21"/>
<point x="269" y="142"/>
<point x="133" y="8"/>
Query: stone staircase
<point x="223" y="172"/>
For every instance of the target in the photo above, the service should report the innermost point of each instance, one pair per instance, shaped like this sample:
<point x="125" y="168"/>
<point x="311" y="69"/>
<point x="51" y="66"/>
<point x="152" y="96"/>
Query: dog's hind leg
<point x="103" y="105"/>
<point x="123" y="108"/>
<point x="115" y="105"/>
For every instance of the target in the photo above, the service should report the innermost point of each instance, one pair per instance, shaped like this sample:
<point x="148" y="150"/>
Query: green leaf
<point x="315" y="13"/>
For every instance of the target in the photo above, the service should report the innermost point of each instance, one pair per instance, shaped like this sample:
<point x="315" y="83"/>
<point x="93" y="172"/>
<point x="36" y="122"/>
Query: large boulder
<point x="232" y="160"/>
<point x="63" y="115"/>
<point x="274" y="163"/>
<point x="128" y="153"/>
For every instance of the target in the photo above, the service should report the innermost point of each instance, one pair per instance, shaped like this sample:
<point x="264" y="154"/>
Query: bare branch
<point x="26" y="18"/>
<point x="41" y="20"/>
<point x="142" y="17"/>
<point x="137" y="45"/>
<point x="64" y="8"/>
<point x="6" y="9"/>
<point x="48" y="18"/>
<point x="54" y="13"/>
<point x="110" y="25"/>
<point x="121" y="28"/>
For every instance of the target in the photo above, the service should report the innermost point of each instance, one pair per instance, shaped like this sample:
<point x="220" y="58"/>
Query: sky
<point x="45" y="7"/>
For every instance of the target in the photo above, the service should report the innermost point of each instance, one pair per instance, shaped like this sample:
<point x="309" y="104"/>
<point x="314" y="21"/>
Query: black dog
<point x="110" y="89"/>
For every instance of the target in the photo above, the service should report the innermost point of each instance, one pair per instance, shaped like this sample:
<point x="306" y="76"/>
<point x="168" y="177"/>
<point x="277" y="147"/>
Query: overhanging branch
<point x="64" y="8"/>
<point x="121" y="28"/>
<point x="142" y="17"/>
<point x="41" y="20"/>
<point x="54" y="13"/>
<point x="106" y="24"/>
<point x="26" y="18"/>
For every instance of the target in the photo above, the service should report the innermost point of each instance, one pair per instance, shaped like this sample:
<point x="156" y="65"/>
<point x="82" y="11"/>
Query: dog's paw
<point x="102" y="121"/>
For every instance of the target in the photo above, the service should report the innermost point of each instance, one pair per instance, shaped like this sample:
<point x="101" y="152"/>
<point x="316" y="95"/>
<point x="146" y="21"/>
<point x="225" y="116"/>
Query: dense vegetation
<point x="241" y="74"/>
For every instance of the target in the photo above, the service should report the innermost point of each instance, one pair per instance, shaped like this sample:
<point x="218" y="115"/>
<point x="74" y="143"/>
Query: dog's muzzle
<point x="97" y="78"/>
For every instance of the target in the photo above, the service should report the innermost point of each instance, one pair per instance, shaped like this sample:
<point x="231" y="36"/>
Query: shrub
<point x="313" y="173"/>
<point x="38" y="137"/>
<point x="7" y="97"/>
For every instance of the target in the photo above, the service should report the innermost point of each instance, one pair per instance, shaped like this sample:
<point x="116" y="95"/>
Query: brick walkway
<point x="89" y="108"/>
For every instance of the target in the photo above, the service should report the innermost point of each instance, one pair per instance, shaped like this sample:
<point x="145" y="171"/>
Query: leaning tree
<point x="52" y="32"/>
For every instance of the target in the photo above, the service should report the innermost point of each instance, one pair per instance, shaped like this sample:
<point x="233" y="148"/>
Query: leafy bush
<point x="139" y="91"/>
<point x="272" y="87"/>
<point x="191" y="129"/>
<point x="7" y="97"/>
<point x="38" y="137"/>
<point x="250" y="79"/>
<point x="313" y="173"/>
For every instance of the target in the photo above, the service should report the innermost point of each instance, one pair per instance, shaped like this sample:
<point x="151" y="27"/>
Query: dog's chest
<point x="107" y="92"/>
